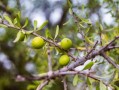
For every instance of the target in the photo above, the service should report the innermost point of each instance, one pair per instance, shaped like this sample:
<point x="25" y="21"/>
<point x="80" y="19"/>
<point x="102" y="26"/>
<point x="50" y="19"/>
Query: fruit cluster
<point x="65" y="44"/>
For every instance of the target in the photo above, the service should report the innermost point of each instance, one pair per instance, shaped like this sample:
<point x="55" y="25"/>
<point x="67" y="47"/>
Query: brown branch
<point x="40" y="87"/>
<point x="49" y="59"/>
<point x="110" y="60"/>
<point x="4" y="8"/>
<point x="65" y="84"/>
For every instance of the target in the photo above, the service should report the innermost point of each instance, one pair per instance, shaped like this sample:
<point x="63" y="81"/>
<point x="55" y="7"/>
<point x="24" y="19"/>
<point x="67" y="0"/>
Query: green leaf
<point x="66" y="22"/>
<point x="89" y="41"/>
<point x="102" y="86"/>
<point x="70" y="11"/>
<point x="69" y="3"/>
<point x="15" y="21"/>
<point x="85" y="20"/>
<point x="19" y="14"/>
<point x="26" y="23"/>
<point x="57" y="31"/>
<point x="35" y="24"/>
<point x="43" y="25"/>
<point x="89" y="65"/>
<point x="100" y="27"/>
<point x="47" y="33"/>
<point x="87" y="30"/>
<point x="28" y="32"/>
<point x="20" y="37"/>
<point x="18" y="21"/>
<point x="2" y="25"/>
<point x="75" y="80"/>
<point x="8" y="19"/>
<point x="98" y="87"/>
<point x="31" y="87"/>
<point x="88" y="81"/>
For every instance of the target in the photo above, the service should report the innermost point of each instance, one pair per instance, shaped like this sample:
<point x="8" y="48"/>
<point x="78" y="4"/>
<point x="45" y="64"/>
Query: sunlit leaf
<point x="70" y="11"/>
<point x="15" y="21"/>
<point x="81" y="48"/>
<point x="47" y="34"/>
<point x="89" y="65"/>
<point x="57" y="31"/>
<point x="43" y="25"/>
<point x="89" y="41"/>
<point x="19" y="37"/>
<point x="29" y="32"/>
<point x="75" y="80"/>
<point x="102" y="86"/>
<point x="26" y="23"/>
<point x="66" y="22"/>
<point x="35" y="24"/>
<point x="7" y="18"/>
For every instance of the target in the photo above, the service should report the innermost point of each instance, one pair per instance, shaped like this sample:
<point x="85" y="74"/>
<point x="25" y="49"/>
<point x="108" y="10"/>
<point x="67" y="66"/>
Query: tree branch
<point x="110" y="60"/>
<point x="40" y="87"/>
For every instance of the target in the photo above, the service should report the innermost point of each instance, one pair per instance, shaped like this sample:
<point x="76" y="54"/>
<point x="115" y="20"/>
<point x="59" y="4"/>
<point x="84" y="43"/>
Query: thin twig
<point x="110" y="60"/>
<point x="65" y="84"/>
<point x="92" y="48"/>
<point x="40" y="87"/>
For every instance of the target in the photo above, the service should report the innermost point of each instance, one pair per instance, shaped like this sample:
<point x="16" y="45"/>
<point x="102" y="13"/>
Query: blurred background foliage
<point x="20" y="58"/>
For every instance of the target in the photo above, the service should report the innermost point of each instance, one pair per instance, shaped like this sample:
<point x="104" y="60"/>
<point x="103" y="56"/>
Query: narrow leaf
<point x="81" y="48"/>
<point x="47" y="33"/>
<point x="89" y="41"/>
<point x="70" y="11"/>
<point x="15" y="21"/>
<point x="28" y="32"/>
<point x="43" y="25"/>
<point x="100" y="27"/>
<point x="57" y="31"/>
<point x="19" y="14"/>
<point x="26" y="23"/>
<point x="102" y="86"/>
<point x="89" y="65"/>
<point x="88" y="81"/>
<point x="2" y="25"/>
<point x="75" y="80"/>
<point x="69" y="3"/>
<point x="35" y="24"/>
<point x="66" y="22"/>
<point x="8" y="19"/>
<point x="20" y="37"/>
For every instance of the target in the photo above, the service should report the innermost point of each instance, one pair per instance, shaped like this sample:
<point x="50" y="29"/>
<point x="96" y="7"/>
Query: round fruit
<point x="64" y="60"/>
<point x="66" y="43"/>
<point x="21" y="35"/>
<point x="37" y="43"/>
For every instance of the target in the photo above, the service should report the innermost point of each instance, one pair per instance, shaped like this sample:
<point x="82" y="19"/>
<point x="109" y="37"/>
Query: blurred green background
<point x="20" y="58"/>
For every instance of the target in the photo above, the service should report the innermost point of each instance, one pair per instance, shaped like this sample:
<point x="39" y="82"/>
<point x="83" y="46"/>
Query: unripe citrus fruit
<point x="37" y="43"/>
<point x="66" y="43"/>
<point x="64" y="60"/>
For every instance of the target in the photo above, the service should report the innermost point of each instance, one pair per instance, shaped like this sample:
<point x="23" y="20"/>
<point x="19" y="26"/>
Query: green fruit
<point x="64" y="60"/>
<point x="66" y="43"/>
<point x="37" y="43"/>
